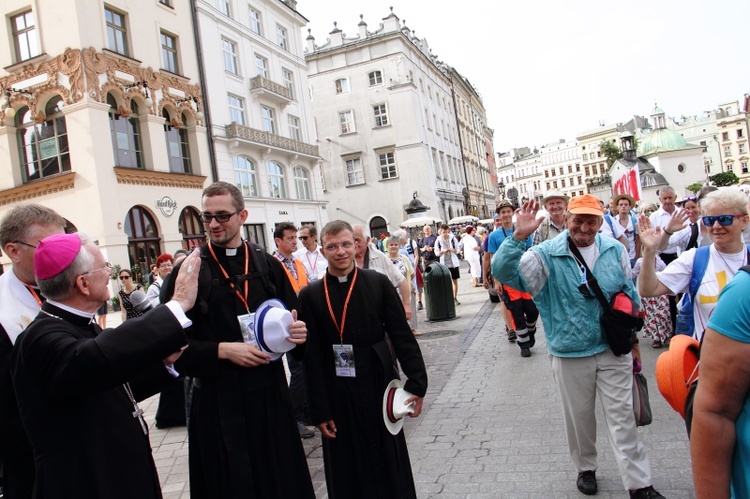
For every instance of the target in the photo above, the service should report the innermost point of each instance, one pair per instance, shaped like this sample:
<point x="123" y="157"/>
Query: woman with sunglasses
<point x="127" y="286"/>
<point x="725" y="216"/>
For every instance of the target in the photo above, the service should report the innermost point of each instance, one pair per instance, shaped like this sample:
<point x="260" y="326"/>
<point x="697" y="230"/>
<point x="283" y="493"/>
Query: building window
<point x="281" y="37"/>
<point x="169" y="52"/>
<point x="743" y="164"/>
<point x="44" y="146"/>
<point x="434" y="120"/>
<point x="178" y="147"/>
<point x="261" y="66"/>
<point x="126" y="135"/>
<point x="165" y="2"/>
<point x="269" y="122"/>
<point x="191" y="227"/>
<point x="275" y="174"/>
<point x="302" y="183"/>
<point x="725" y="136"/>
<point x="342" y="86"/>
<point x="376" y="78"/>
<point x="354" y="173"/>
<point x="387" y="165"/>
<point x="288" y="78"/>
<point x="225" y="8"/>
<point x="294" y="130"/>
<point x="346" y="119"/>
<point x="727" y="151"/>
<point x="739" y="133"/>
<point x="229" y="49"/>
<point x="570" y="168"/>
<point x="255" y="22"/>
<point x="244" y="176"/>
<point x="381" y="114"/>
<point x="117" y="32"/>
<point x="427" y="119"/>
<point x="743" y="148"/>
<point x="24" y="36"/>
<point x="236" y="109"/>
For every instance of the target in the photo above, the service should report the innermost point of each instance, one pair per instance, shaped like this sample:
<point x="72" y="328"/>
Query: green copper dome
<point x="661" y="140"/>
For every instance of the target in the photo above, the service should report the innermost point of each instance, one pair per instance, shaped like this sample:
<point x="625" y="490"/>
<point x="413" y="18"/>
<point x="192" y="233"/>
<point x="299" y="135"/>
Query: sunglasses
<point x="124" y="277"/>
<point x="303" y="238"/>
<point x="724" y="220"/>
<point x="220" y="217"/>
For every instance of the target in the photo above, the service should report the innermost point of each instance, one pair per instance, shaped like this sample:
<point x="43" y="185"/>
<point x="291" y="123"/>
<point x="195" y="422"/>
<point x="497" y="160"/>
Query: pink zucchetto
<point x="54" y="254"/>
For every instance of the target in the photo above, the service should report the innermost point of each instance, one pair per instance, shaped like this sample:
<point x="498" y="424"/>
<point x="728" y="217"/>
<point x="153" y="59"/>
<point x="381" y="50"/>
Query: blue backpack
<point x="608" y="219"/>
<point x="685" y="323"/>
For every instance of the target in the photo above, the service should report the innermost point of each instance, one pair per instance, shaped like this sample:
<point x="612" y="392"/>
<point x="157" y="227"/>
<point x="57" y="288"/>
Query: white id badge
<point x="247" y="323"/>
<point x="343" y="359"/>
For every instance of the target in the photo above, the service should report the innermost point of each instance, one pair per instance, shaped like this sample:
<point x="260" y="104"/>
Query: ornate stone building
<point x="101" y="119"/>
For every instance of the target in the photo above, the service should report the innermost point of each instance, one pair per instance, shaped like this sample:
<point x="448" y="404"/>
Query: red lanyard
<point x="346" y="304"/>
<point x="33" y="293"/>
<point x="313" y="265"/>
<point x="226" y="276"/>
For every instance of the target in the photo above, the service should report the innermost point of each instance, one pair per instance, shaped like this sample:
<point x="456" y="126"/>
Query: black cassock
<point x="364" y="460"/>
<point x="69" y="378"/>
<point x="243" y="441"/>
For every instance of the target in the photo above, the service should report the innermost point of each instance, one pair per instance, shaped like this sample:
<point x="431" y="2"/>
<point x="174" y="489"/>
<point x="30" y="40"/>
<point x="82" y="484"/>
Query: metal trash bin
<point x="438" y="289"/>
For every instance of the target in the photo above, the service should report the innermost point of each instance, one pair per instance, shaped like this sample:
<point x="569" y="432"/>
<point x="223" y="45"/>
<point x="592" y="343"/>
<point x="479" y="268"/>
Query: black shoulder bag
<point x="619" y="323"/>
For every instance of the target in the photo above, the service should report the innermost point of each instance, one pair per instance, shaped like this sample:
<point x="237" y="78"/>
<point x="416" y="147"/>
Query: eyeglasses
<point x="303" y="238"/>
<point x="108" y="267"/>
<point x="220" y="217"/>
<point x="724" y="220"/>
<point x="25" y="244"/>
<point x="335" y="247"/>
<point x="124" y="277"/>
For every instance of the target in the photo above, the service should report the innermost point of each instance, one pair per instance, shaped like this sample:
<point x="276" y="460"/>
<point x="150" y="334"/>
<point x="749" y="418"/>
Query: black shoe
<point x="586" y="483"/>
<point x="420" y="306"/>
<point x="645" y="493"/>
<point x="304" y="431"/>
<point x="525" y="352"/>
<point x="511" y="335"/>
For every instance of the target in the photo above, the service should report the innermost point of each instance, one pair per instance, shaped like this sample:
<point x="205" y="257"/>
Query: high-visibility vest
<point x="301" y="280"/>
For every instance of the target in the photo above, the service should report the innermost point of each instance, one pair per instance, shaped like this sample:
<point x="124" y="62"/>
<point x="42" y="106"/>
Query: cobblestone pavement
<point x="491" y="424"/>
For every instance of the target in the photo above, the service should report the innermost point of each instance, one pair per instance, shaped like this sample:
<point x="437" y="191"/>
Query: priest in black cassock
<point x="347" y="315"/>
<point x="78" y="387"/>
<point x="243" y="434"/>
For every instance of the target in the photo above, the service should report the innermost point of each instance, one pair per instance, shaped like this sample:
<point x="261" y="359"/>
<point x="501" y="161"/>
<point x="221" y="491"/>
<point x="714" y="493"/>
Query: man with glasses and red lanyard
<point x="20" y="300"/>
<point x="311" y="254"/>
<point x="243" y="439"/>
<point x="349" y="365"/>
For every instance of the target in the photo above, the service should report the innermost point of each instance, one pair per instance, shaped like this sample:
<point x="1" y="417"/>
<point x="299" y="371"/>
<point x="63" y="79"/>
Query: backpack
<point x="608" y="218"/>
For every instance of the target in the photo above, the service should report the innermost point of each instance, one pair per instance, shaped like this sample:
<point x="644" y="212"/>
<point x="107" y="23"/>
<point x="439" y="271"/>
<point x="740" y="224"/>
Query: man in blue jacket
<point x="582" y="362"/>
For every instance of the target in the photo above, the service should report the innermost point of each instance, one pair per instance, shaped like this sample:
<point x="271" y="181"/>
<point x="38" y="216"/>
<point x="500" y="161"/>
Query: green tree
<point x="610" y="151"/>
<point x="724" y="178"/>
<point x="694" y="188"/>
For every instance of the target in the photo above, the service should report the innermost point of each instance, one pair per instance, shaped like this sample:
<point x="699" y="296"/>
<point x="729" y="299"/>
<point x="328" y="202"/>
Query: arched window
<point x="377" y="227"/>
<point x="144" y="242"/>
<point x="126" y="135"/>
<point x="302" y="183"/>
<point x="244" y="176"/>
<point x="191" y="228"/>
<point x="43" y="148"/>
<point x="178" y="147"/>
<point x="275" y="174"/>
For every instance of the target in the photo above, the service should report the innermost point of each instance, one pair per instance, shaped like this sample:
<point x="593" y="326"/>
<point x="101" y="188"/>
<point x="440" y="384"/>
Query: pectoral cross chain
<point x="138" y="412"/>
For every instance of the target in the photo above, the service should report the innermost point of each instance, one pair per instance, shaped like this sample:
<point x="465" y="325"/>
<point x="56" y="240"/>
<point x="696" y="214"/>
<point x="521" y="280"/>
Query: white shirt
<point x="381" y="263"/>
<point x="660" y="218"/>
<point x="608" y="231"/>
<point x="314" y="262"/>
<point x="153" y="291"/>
<point x="720" y="270"/>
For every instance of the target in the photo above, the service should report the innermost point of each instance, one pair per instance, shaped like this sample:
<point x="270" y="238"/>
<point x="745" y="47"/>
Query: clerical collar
<point x="343" y="278"/>
<point x="74" y="311"/>
<point x="228" y="251"/>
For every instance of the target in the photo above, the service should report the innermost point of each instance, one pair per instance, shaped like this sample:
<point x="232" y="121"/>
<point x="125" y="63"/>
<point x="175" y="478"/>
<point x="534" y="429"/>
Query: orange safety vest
<point x="301" y="280"/>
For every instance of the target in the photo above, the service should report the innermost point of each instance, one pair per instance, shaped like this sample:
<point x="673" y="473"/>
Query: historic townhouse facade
<point x="732" y="131"/>
<point x="473" y="131"/>
<point x="261" y="120"/>
<point x="563" y="171"/>
<point x="101" y="119"/>
<point x="386" y="125"/>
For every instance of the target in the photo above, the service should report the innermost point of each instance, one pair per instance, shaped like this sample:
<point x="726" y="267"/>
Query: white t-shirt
<point x="660" y="218"/>
<point x="720" y="270"/>
<point x="607" y="231"/>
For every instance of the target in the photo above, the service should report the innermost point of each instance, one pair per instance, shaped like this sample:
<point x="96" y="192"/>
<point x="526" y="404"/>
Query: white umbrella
<point x="419" y="221"/>
<point x="486" y="221"/>
<point x="463" y="220"/>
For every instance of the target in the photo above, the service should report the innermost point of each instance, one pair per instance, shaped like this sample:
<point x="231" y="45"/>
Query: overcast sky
<point x="548" y="69"/>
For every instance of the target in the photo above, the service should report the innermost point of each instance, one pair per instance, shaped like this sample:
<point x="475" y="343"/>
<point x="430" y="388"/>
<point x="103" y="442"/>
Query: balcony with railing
<point x="260" y="86"/>
<point x="244" y="133"/>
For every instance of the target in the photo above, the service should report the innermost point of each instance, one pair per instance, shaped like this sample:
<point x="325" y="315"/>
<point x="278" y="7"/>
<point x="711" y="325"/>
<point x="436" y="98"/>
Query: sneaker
<point x="525" y="352"/>
<point x="420" y="306"/>
<point x="512" y="335"/>
<point x="304" y="431"/>
<point x="645" y="493"/>
<point x="586" y="483"/>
